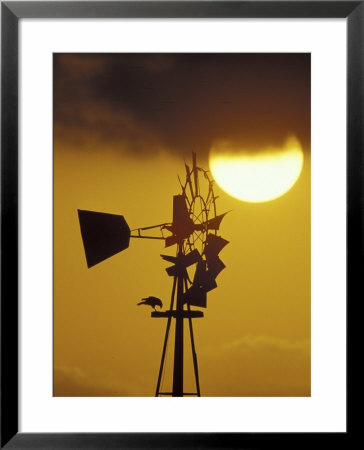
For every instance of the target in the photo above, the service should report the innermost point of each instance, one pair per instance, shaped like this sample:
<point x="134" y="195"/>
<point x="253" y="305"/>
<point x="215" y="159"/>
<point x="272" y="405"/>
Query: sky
<point x="124" y="125"/>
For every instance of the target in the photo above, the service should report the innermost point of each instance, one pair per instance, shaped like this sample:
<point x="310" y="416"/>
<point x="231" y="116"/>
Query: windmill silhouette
<point x="194" y="232"/>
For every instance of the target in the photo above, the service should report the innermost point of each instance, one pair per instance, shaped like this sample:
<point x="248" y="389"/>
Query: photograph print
<point x="182" y="236"/>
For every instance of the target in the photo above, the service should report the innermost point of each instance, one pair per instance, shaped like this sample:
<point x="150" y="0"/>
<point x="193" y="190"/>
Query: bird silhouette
<point x="151" y="301"/>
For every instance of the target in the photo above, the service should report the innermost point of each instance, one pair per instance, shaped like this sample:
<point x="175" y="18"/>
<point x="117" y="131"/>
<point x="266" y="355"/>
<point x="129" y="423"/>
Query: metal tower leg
<point x="179" y="285"/>
<point x="166" y="340"/>
<point x="177" y="390"/>
<point x="194" y="356"/>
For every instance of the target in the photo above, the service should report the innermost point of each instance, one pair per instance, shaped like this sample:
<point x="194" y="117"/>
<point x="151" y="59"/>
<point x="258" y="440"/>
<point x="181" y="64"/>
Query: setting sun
<point x="257" y="177"/>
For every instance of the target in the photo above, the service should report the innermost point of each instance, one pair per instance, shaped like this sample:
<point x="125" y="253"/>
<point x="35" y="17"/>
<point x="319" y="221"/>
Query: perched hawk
<point x="151" y="301"/>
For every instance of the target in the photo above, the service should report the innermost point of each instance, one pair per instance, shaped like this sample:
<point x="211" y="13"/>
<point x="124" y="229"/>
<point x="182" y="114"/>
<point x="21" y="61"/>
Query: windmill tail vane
<point x="194" y="232"/>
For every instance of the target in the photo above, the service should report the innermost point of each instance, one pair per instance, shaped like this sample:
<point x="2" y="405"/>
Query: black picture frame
<point x="11" y="12"/>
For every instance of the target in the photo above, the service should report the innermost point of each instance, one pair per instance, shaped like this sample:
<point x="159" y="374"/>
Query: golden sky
<point x="123" y="127"/>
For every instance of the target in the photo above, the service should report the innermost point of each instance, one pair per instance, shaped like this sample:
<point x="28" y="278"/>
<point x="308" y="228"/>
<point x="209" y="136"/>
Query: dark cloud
<point x="181" y="102"/>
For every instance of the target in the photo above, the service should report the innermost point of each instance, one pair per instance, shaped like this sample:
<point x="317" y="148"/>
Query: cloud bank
<point x="181" y="102"/>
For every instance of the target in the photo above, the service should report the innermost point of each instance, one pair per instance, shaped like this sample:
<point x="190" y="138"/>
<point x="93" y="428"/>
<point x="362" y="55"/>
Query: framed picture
<point x="200" y="177"/>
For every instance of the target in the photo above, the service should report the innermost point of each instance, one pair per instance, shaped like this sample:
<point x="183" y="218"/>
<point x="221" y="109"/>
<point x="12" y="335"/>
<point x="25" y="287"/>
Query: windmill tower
<point x="195" y="265"/>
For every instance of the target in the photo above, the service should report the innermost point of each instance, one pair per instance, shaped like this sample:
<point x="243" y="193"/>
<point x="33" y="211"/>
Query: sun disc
<point x="257" y="177"/>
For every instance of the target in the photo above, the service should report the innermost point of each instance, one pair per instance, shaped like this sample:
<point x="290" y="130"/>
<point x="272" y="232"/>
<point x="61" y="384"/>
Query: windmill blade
<point x="183" y="187"/>
<point x="200" y="273"/>
<point x="203" y="277"/>
<point x="181" y="262"/>
<point x="103" y="235"/>
<point x="215" y="266"/>
<point x="195" y="174"/>
<point x="195" y="296"/>
<point x="188" y="178"/>
<point x="211" y="224"/>
<point x="172" y="259"/>
<point x="214" y="245"/>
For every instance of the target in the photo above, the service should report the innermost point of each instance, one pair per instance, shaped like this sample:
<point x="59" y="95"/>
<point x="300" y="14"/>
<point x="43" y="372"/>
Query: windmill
<point x="195" y="265"/>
